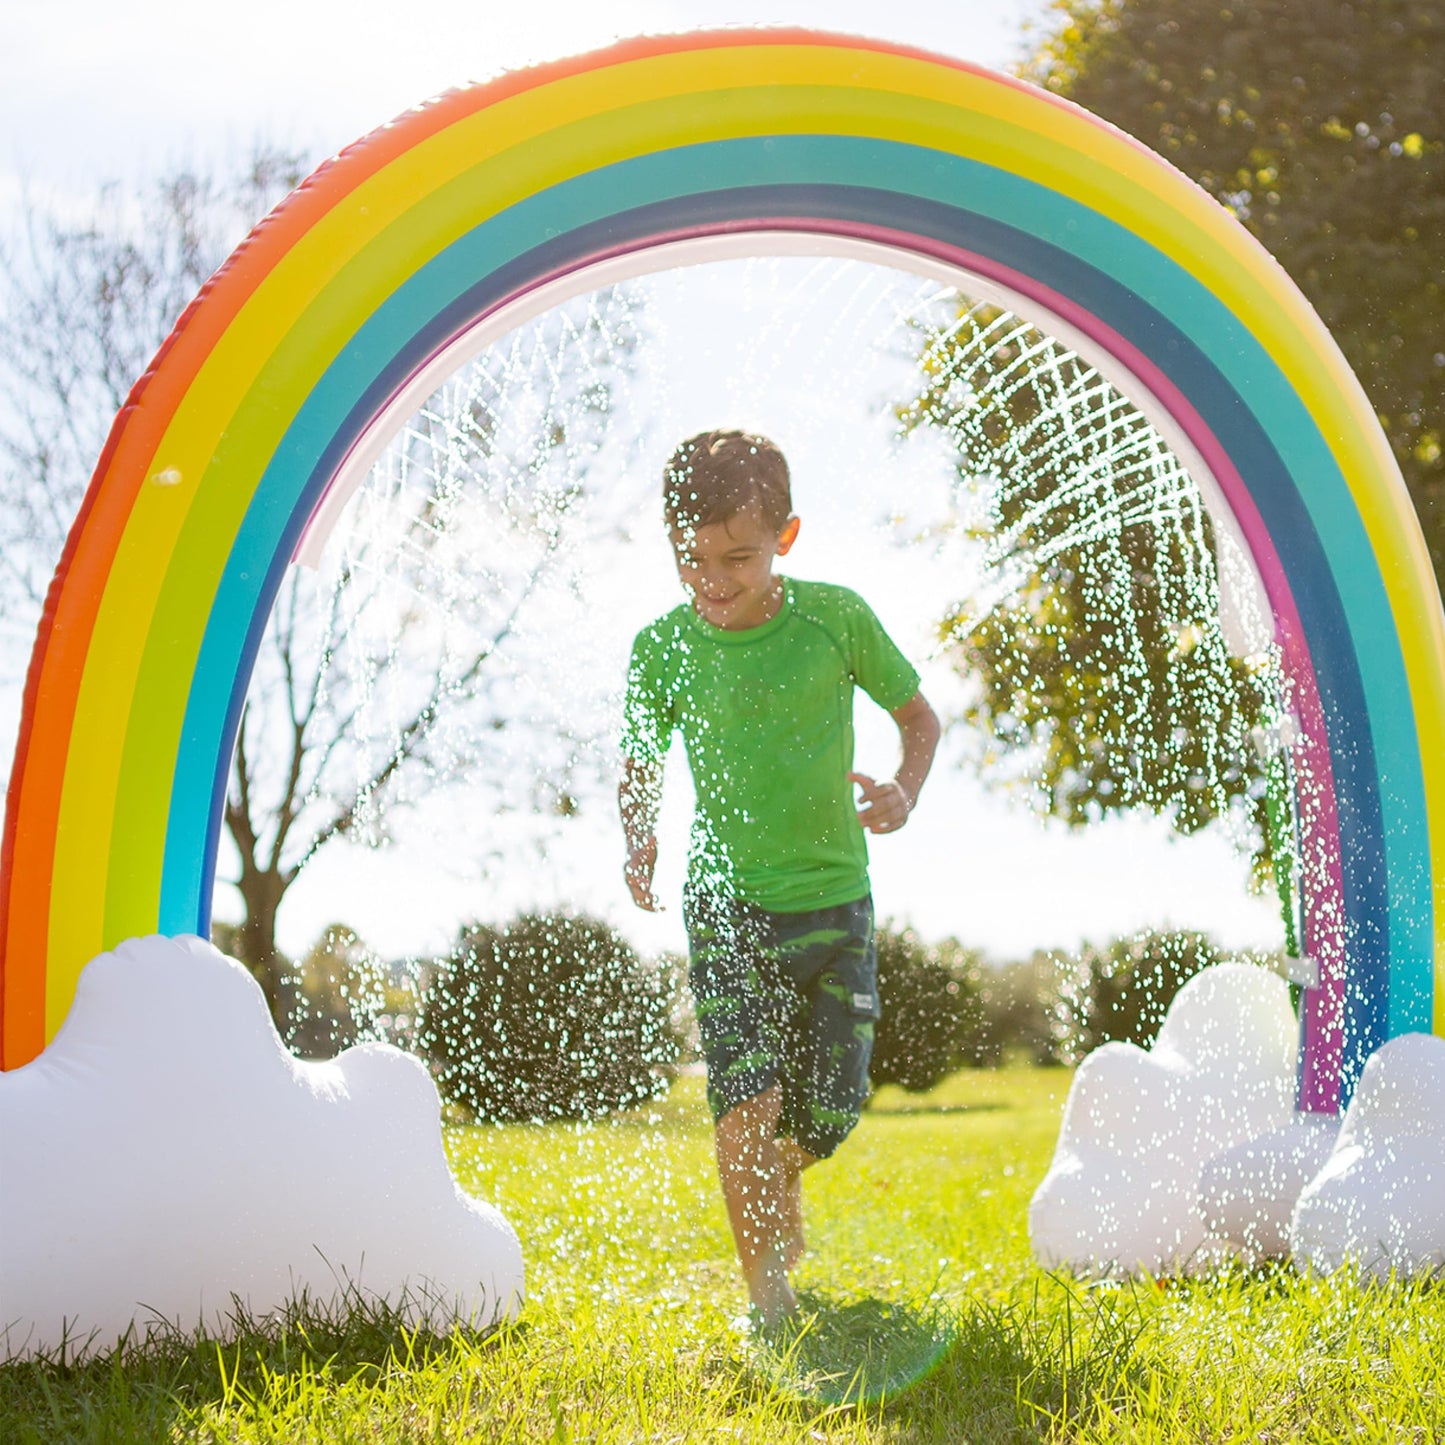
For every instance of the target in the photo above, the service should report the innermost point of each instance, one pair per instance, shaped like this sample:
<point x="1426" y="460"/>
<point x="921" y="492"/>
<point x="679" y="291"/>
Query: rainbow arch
<point x="398" y="254"/>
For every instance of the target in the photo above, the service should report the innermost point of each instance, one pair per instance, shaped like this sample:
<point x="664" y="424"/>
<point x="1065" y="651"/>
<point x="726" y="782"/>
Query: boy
<point x="757" y="671"/>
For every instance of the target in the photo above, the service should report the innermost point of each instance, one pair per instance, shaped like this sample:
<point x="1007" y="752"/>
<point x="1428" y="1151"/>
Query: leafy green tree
<point x="1321" y="125"/>
<point x="1121" y="992"/>
<point x="551" y="1017"/>
<point x="928" y="996"/>
<point x="1101" y="678"/>
<point x="1019" y="1000"/>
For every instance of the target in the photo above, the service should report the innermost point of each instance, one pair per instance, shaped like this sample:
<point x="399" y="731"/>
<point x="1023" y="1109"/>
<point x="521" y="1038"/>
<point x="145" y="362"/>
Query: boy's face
<point x="727" y="567"/>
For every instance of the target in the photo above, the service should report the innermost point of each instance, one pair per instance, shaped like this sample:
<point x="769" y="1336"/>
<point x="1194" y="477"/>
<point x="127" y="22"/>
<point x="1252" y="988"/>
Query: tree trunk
<point x="255" y="942"/>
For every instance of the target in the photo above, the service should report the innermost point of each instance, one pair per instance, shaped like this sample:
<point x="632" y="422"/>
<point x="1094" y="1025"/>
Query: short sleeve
<point x="647" y="721"/>
<point x="878" y="667"/>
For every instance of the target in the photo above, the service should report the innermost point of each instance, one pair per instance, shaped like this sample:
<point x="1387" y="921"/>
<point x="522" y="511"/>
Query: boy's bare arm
<point x="886" y="806"/>
<point x="638" y="798"/>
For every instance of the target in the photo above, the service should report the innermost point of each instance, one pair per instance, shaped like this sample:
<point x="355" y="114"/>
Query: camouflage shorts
<point x="786" y="998"/>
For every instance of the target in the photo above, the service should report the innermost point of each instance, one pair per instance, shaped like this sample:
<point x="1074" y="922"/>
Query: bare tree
<point x="84" y="304"/>
<point x="396" y="672"/>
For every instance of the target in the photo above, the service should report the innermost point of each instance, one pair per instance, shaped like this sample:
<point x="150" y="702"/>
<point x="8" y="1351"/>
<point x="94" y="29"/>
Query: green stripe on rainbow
<point x="221" y="456"/>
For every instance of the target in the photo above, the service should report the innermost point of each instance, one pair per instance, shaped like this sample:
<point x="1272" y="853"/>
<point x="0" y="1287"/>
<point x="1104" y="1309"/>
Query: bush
<point x="1122" y="992"/>
<point x="930" y="1014"/>
<point x="340" y="994"/>
<point x="552" y="1017"/>
<point x="1019" y="1001"/>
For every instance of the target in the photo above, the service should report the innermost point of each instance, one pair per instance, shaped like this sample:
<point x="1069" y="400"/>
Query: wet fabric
<point x="766" y="714"/>
<point x="786" y="998"/>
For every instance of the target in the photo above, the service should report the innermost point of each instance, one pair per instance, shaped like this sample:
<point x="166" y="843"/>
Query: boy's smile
<point x="727" y="568"/>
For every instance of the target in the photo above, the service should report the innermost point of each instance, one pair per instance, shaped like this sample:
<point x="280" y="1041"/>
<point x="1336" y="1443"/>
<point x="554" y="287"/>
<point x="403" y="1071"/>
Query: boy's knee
<point x="793" y="1156"/>
<point x="755" y="1115"/>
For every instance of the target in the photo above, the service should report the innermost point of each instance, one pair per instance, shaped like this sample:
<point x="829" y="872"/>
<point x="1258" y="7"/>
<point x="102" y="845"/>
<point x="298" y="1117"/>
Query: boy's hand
<point x="885" y="805"/>
<point x="641" y="861"/>
<point x="638" y="796"/>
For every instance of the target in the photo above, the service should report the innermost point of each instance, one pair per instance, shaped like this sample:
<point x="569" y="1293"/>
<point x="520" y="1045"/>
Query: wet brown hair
<point x="713" y="476"/>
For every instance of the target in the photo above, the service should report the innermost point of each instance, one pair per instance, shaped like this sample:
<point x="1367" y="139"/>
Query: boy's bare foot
<point x="772" y="1296"/>
<point x="762" y="1188"/>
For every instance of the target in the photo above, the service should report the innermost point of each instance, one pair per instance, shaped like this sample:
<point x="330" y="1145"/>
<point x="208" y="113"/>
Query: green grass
<point x="928" y="1320"/>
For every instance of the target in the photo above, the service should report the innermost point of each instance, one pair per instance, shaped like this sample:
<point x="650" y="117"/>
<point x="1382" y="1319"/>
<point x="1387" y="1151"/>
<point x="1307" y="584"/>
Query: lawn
<point x="929" y="1321"/>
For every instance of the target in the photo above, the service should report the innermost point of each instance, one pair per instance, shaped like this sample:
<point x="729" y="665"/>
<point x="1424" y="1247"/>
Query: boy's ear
<point x="788" y="536"/>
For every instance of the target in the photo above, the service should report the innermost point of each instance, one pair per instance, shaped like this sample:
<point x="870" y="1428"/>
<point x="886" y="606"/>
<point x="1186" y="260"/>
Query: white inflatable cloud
<point x="166" y="1153"/>
<point x="1379" y="1200"/>
<point x="1122" y="1193"/>
<point x="1247" y="1194"/>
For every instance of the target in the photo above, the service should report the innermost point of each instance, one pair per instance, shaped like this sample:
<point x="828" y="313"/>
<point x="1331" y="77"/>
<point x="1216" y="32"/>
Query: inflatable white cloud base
<point x="1174" y="1159"/>
<point x="1379" y="1201"/>
<point x="166" y="1153"/>
<point x="1122" y="1193"/>
<point x="1247" y="1194"/>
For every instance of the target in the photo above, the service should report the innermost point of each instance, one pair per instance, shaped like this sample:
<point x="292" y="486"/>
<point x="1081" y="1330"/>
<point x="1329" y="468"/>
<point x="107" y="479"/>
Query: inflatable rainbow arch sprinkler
<point x="426" y="240"/>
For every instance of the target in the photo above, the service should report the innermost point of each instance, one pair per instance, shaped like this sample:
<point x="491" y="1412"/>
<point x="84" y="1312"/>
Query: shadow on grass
<point x="973" y="1371"/>
<point x="1046" y="1367"/>
<point x="852" y="1352"/>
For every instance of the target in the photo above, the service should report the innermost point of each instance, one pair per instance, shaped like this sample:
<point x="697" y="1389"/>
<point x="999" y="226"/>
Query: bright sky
<point x="91" y="91"/>
<point x="94" y="88"/>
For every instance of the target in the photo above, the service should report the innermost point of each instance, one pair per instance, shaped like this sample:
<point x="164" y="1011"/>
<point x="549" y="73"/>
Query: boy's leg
<point x="832" y="958"/>
<point x="740" y="1017"/>
<point x="756" y="1186"/>
<point x="831" y="944"/>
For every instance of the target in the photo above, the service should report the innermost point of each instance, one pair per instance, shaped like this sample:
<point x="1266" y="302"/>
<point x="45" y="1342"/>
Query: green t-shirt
<point x="766" y="714"/>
